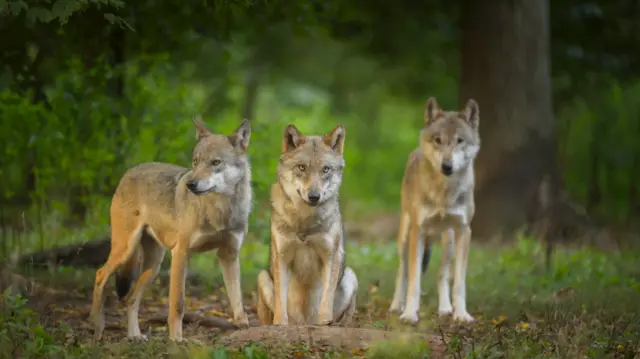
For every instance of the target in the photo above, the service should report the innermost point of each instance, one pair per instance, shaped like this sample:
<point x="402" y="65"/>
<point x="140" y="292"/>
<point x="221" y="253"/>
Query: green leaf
<point x="40" y="14"/>
<point x="16" y="7"/>
<point x="63" y="9"/>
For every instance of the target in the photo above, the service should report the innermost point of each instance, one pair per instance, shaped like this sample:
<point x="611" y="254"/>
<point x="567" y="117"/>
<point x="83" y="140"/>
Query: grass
<point x="585" y="306"/>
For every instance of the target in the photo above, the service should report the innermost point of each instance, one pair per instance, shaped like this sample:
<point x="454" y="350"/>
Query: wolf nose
<point x="314" y="197"/>
<point x="447" y="167"/>
<point x="192" y="185"/>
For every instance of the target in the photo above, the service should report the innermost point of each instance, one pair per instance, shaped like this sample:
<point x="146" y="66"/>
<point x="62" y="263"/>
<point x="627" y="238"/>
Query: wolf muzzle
<point x="192" y="185"/>
<point x="313" y="197"/>
<point x="446" y="167"/>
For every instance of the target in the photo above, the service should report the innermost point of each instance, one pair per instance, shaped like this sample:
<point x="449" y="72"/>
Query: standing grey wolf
<point x="159" y="206"/>
<point x="437" y="199"/>
<point x="307" y="281"/>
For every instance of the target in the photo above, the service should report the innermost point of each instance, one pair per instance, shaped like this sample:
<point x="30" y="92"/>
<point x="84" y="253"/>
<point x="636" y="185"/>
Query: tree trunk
<point x="505" y="68"/>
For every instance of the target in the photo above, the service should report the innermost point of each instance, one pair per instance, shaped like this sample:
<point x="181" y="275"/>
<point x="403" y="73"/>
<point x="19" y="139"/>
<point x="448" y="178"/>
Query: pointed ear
<point x="335" y="139"/>
<point x="431" y="110"/>
<point x="472" y="113"/>
<point x="201" y="130"/>
<point x="292" y="138"/>
<point x="240" y="137"/>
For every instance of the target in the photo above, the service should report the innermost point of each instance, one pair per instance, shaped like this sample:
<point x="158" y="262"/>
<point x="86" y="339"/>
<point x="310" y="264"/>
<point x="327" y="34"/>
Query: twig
<point x="193" y="318"/>
<point x="444" y="341"/>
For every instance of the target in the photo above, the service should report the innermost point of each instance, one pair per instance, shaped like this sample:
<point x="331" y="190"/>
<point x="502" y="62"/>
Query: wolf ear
<point x="292" y="138"/>
<point x="240" y="137"/>
<point x="431" y="109"/>
<point x="472" y="113"/>
<point x="335" y="139"/>
<point x="201" y="130"/>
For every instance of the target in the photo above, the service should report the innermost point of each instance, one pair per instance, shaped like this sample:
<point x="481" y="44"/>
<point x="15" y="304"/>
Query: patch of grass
<point x="585" y="306"/>
<point x="398" y="349"/>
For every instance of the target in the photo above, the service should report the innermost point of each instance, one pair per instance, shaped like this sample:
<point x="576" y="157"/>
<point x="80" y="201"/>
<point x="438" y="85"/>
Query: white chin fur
<point x="210" y="183"/>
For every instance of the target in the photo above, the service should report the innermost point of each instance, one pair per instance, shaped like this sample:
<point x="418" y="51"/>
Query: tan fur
<point x="159" y="206"/>
<point x="307" y="281"/>
<point x="437" y="199"/>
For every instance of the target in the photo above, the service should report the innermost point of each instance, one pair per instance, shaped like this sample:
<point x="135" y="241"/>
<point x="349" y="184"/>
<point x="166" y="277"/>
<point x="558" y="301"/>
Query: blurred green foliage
<point x="106" y="87"/>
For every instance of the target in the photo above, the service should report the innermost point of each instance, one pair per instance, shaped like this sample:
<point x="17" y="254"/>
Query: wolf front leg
<point x="332" y="263"/>
<point x="463" y="240"/>
<point x="177" y="277"/>
<point x="230" y="263"/>
<point x="281" y="283"/>
<point x="444" y="298"/>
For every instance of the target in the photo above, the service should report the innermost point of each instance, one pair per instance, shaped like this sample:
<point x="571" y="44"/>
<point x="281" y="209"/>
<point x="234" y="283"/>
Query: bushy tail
<point x="426" y="256"/>
<point x="127" y="273"/>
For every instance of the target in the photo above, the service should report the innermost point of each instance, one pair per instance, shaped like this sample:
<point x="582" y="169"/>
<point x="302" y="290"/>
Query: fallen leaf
<point x="217" y="313"/>
<point x="499" y="321"/>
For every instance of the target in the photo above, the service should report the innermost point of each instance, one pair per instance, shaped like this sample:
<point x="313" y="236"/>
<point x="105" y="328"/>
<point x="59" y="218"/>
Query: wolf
<point x="159" y="206"/>
<point x="307" y="281"/>
<point x="437" y="199"/>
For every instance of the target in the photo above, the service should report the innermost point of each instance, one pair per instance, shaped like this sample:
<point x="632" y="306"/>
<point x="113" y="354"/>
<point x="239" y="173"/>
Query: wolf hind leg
<point x="400" y="293"/>
<point x="153" y="254"/>
<point x="265" y="298"/>
<point x="124" y="248"/>
<point x="345" y="300"/>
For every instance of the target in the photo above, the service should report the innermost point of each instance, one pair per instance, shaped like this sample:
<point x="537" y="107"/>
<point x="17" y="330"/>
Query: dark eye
<point x="326" y="169"/>
<point x="194" y="162"/>
<point x="302" y="168"/>
<point x="460" y="140"/>
<point x="215" y="162"/>
<point x="438" y="140"/>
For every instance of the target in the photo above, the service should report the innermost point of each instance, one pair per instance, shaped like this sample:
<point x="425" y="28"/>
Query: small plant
<point x="21" y="335"/>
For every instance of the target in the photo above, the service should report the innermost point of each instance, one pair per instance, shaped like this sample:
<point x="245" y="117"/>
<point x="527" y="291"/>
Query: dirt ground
<point x="207" y="321"/>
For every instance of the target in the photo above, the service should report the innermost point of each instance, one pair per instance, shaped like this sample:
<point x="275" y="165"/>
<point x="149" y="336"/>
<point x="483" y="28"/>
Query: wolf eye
<point x="215" y="162"/>
<point x="460" y="140"/>
<point x="302" y="168"/>
<point x="326" y="169"/>
<point x="438" y="140"/>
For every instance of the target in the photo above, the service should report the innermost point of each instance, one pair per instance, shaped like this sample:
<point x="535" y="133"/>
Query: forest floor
<point x="586" y="305"/>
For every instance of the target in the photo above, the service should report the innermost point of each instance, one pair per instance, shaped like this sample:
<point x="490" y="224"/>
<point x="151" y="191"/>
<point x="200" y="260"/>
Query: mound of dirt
<point x="330" y="336"/>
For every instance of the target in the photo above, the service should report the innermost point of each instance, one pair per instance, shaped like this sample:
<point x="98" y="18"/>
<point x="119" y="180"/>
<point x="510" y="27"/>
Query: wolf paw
<point x="462" y="317"/>
<point x="280" y="320"/>
<point x="97" y="336"/>
<point x="325" y="319"/>
<point x="409" y="318"/>
<point x="396" y="308"/>
<point x="445" y="310"/>
<point x="327" y="322"/>
<point x="138" y="338"/>
<point x="241" y="321"/>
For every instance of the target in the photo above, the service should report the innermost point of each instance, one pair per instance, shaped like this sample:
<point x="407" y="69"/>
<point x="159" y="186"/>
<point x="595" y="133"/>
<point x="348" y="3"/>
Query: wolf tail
<point x="127" y="273"/>
<point x="426" y="256"/>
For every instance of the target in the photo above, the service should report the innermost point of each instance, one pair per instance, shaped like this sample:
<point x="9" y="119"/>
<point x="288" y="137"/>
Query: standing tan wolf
<point x="159" y="206"/>
<point x="307" y="281"/>
<point x="437" y="199"/>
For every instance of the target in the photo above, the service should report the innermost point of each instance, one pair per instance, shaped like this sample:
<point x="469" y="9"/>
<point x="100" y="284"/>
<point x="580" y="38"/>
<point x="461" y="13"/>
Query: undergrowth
<point x="585" y="306"/>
